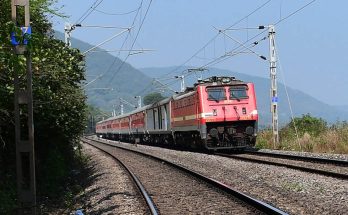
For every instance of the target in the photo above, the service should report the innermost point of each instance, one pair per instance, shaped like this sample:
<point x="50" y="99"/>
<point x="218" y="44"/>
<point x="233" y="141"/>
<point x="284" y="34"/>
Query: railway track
<point x="176" y="189"/>
<point x="323" y="166"/>
<point x="149" y="202"/>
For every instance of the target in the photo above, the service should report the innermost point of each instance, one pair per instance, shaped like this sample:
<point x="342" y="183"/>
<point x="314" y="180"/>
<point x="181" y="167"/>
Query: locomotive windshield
<point x="238" y="92"/>
<point x="216" y="94"/>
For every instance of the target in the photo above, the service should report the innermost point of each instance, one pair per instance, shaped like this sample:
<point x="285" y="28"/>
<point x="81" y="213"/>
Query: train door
<point x="164" y="117"/>
<point x="155" y="118"/>
<point x="150" y="120"/>
<point x="159" y="118"/>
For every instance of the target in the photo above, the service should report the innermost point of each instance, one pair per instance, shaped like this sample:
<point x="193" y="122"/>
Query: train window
<point x="239" y="92"/>
<point x="216" y="94"/>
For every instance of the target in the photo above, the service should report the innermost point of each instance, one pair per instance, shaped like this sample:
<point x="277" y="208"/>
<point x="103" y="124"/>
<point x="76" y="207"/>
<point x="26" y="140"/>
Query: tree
<point x="305" y="124"/>
<point x="153" y="98"/>
<point x="59" y="102"/>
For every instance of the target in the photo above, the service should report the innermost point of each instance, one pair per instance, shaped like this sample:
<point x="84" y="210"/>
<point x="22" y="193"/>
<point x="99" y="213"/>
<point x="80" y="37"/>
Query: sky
<point x="311" y="44"/>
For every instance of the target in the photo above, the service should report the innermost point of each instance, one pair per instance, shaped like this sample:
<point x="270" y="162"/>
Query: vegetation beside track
<point x="313" y="135"/>
<point x="59" y="106"/>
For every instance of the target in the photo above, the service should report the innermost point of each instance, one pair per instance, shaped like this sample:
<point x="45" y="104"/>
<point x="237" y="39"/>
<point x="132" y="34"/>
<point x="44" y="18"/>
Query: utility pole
<point x="121" y="105"/>
<point x="139" y="101"/>
<point x="24" y="122"/>
<point x="182" y="83"/>
<point x="274" y="90"/>
<point x="67" y="33"/>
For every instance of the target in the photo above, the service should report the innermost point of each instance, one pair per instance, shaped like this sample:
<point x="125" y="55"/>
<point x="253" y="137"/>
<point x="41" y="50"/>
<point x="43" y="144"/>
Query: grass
<point x="313" y="135"/>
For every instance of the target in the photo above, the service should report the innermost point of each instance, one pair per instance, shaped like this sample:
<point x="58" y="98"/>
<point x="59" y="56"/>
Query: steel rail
<point x="138" y="183"/>
<point x="299" y="157"/>
<point x="301" y="168"/>
<point x="258" y="204"/>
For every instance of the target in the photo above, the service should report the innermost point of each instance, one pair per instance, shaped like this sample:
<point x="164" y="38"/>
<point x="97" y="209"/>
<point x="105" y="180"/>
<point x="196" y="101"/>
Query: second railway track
<point x="183" y="191"/>
<point x="327" y="167"/>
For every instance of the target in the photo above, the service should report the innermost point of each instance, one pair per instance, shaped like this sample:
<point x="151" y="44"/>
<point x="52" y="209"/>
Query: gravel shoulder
<point x="293" y="191"/>
<point x="108" y="189"/>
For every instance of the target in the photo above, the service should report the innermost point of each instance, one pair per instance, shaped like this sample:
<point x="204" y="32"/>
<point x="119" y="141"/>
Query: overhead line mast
<point x="274" y="88"/>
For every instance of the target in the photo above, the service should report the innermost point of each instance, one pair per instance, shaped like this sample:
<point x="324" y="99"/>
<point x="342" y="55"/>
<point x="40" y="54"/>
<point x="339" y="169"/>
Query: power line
<point x="89" y="11"/>
<point x="296" y="11"/>
<point x="136" y="37"/>
<point x="210" y="41"/>
<point x="123" y="44"/>
<point x="224" y="57"/>
<point x="116" y="14"/>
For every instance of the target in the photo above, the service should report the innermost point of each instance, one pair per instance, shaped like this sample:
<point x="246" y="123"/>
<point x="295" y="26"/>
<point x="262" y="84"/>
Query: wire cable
<point x="89" y="11"/>
<point x="288" y="97"/>
<point x="136" y="37"/>
<point x="116" y="57"/>
<point x="210" y="41"/>
<point x="213" y="39"/>
<point x="116" y="14"/>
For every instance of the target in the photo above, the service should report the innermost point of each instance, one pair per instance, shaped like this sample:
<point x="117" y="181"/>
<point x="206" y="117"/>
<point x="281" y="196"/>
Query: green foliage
<point x="59" y="101"/>
<point x="314" y="135"/>
<point x="305" y="124"/>
<point x="7" y="194"/>
<point x="94" y="115"/>
<point x="152" y="98"/>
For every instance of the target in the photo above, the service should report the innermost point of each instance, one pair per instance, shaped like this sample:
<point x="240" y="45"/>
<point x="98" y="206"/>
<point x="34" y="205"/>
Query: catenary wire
<point x="136" y="37"/>
<point x="89" y="11"/>
<point x="116" y="57"/>
<point x="219" y="59"/>
<point x="210" y="41"/>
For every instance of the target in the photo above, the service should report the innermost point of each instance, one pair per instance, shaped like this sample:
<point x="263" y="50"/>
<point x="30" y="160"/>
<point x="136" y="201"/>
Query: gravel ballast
<point x="109" y="189"/>
<point x="290" y="190"/>
<point x="175" y="192"/>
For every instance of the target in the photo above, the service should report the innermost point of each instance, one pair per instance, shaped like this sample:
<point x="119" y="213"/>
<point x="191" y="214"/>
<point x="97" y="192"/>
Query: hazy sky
<point x="312" y="44"/>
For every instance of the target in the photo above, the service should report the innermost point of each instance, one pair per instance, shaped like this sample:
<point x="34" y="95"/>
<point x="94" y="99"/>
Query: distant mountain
<point x="301" y="102"/>
<point x="125" y="81"/>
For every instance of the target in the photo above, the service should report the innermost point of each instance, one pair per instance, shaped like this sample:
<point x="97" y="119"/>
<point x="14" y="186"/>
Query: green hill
<point x="124" y="81"/>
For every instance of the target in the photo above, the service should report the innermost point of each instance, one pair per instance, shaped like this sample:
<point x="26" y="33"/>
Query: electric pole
<point x="139" y="101"/>
<point x="182" y="83"/>
<point x="23" y="108"/>
<point x="67" y="33"/>
<point x="274" y="90"/>
<point x="121" y="105"/>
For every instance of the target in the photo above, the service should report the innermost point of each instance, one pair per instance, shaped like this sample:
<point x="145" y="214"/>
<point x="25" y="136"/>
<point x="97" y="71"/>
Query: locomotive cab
<point x="228" y="113"/>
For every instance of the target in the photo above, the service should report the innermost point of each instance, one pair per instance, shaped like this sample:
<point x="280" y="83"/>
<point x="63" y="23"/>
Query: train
<point x="216" y="113"/>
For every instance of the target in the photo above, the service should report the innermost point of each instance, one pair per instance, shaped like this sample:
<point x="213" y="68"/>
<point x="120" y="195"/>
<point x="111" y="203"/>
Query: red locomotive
<point x="216" y="113"/>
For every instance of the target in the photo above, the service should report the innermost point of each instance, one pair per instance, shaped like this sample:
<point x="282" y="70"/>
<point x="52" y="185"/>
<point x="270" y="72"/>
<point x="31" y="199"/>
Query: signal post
<point x="23" y="111"/>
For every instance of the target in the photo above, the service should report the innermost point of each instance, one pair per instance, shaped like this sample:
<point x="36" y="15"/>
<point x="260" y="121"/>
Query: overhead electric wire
<point x="296" y="11"/>
<point x="288" y="97"/>
<point x="212" y="40"/>
<point x="89" y="11"/>
<point x="224" y="57"/>
<point x="116" y="14"/>
<point x="116" y="57"/>
<point x="136" y="37"/>
<point x="107" y="40"/>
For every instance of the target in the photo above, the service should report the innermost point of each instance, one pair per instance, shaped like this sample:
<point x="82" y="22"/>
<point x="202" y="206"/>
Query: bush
<point x="314" y="135"/>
